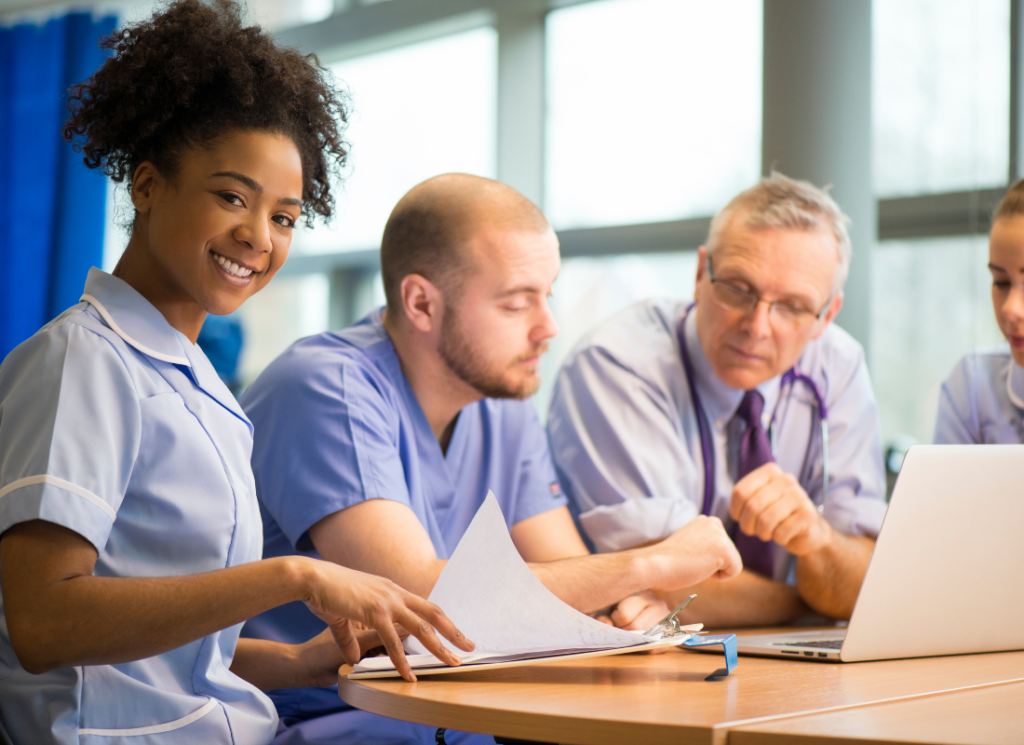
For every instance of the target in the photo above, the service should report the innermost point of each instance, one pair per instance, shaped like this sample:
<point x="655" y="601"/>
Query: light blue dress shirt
<point x="113" y="425"/>
<point x="626" y="444"/>
<point x="336" y="424"/>
<point x="982" y="401"/>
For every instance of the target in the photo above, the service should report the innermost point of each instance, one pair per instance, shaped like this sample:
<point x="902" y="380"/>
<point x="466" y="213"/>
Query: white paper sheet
<point x="492" y="596"/>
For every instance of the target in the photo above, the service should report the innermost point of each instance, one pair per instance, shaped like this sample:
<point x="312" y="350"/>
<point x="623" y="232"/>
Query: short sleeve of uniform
<point x="325" y="438"/>
<point x="957" y="418"/>
<point x="70" y="426"/>
<point x="619" y="451"/>
<point x="539" y="490"/>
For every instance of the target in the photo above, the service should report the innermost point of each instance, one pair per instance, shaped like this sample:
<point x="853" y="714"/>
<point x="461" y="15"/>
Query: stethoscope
<point x="790" y="377"/>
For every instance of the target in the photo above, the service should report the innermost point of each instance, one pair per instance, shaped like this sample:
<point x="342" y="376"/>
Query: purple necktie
<point x="755" y="451"/>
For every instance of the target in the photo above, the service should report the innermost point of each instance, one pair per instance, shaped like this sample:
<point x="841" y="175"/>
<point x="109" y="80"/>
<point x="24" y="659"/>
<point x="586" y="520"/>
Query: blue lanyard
<point x="791" y="377"/>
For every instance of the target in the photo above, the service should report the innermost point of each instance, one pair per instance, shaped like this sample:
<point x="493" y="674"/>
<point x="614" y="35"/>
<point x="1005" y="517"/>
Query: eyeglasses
<point x="731" y="297"/>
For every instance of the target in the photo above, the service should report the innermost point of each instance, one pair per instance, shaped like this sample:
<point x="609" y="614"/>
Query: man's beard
<point x="457" y="351"/>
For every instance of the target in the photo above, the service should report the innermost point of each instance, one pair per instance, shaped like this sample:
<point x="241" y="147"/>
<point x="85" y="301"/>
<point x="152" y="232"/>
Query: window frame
<point x="363" y="27"/>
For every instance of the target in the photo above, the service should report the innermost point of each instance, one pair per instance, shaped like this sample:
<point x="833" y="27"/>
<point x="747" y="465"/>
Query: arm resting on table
<point x="748" y="600"/>
<point x="829" y="579"/>
<point x="384" y="537"/>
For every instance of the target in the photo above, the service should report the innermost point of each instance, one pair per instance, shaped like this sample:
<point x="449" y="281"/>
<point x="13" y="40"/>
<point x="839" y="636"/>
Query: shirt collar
<point x="1015" y="384"/>
<point x="140" y="324"/>
<point x="135" y="319"/>
<point x="719" y="400"/>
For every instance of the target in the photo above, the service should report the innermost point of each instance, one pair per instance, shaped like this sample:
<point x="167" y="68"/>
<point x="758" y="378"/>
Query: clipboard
<point x="728" y="641"/>
<point x="470" y="666"/>
<point x="490" y="593"/>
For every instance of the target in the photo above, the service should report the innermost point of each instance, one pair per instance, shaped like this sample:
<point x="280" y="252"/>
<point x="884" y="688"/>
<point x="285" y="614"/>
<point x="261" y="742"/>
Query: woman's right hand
<point x="339" y="595"/>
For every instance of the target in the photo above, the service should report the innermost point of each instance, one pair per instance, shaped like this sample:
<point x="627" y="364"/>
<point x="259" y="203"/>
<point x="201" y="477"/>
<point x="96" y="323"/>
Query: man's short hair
<point x="430" y="226"/>
<point x="778" y="201"/>
<point x="1012" y="203"/>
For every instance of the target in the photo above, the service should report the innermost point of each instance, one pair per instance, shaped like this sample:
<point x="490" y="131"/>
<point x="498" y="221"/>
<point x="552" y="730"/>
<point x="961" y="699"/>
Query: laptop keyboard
<point x="823" y="644"/>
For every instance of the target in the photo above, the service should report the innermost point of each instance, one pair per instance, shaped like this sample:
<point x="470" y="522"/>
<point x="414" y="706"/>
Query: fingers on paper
<point x="438" y="620"/>
<point x="393" y="646"/>
<point x="425" y="633"/>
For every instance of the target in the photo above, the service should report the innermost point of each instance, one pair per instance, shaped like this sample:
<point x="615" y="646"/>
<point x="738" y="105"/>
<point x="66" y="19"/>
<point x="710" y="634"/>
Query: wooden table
<point x="989" y="715"/>
<point x="664" y="698"/>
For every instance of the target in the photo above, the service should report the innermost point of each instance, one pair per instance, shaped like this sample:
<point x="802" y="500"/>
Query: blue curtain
<point x="52" y="208"/>
<point x="221" y="339"/>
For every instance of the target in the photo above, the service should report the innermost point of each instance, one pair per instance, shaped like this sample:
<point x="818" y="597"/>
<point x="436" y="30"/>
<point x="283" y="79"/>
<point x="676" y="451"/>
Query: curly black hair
<point x="190" y="74"/>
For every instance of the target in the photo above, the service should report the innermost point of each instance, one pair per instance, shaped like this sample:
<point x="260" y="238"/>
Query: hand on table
<point x="635" y="613"/>
<point x="773" y="506"/>
<point x="639" y="612"/>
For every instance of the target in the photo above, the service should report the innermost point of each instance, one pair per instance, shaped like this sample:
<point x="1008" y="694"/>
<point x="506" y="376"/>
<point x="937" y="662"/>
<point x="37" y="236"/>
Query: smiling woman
<point x="129" y="530"/>
<point x="242" y="195"/>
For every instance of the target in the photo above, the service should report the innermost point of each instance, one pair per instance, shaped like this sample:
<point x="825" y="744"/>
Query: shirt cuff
<point x="57" y="501"/>
<point x="635" y="521"/>
<point x="856" y="515"/>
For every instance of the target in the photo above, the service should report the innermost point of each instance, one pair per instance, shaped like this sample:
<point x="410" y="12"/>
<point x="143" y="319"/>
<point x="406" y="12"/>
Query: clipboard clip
<point x="728" y="642"/>
<point x="669" y="626"/>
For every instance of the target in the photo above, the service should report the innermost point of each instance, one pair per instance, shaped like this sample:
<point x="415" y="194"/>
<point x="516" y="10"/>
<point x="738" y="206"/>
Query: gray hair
<point x="778" y="201"/>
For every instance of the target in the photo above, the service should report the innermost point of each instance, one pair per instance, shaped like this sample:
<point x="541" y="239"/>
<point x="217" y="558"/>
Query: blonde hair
<point x="1012" y="203"/>
<point x="778" y="201"/>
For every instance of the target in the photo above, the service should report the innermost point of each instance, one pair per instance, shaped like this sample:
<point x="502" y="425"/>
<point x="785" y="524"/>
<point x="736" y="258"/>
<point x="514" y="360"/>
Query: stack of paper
<point x="491" y="595"/>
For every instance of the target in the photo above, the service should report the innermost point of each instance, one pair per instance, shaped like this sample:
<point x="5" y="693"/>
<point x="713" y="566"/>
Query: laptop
<point x="945" y="576"/>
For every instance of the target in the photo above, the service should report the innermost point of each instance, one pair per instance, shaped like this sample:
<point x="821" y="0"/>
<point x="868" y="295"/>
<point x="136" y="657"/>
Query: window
<point x="417" y="111"/>
<point x="941" y="95"/>
<point x="115" y="237"/>
<point x="287" y="309"/>
<point x="590" y="290"/>
<point x="931" y="306"/>
<point x="275" y="15"/>
<point x="654" y="109"/>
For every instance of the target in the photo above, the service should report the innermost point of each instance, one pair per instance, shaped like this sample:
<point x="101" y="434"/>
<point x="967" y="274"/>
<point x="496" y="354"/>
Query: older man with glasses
<point x="746" y="403"/>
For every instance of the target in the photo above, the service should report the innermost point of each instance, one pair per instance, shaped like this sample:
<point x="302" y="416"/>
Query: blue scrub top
<point x="626" y="443"/>
<point x="337" y="424"/>
<point x="115" y="426"/>
<point x="982" y="401"/>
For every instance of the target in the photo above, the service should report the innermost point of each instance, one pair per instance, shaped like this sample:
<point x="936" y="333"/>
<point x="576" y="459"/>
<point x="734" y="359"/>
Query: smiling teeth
<point x="231" y="267"/>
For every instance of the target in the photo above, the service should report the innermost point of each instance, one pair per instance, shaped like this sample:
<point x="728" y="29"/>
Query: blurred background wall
<point x="631" y="122"/>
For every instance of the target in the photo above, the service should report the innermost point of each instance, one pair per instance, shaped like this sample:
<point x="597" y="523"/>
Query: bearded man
<point x="374" y="446"/>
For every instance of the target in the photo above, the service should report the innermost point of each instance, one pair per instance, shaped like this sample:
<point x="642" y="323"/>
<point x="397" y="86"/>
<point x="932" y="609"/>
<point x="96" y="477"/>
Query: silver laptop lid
<point x="947" y="573"/>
